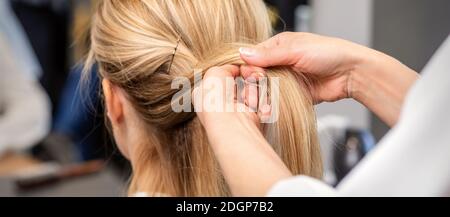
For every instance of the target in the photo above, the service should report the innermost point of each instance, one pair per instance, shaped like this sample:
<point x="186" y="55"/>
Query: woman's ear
<point x="113" y="102"/>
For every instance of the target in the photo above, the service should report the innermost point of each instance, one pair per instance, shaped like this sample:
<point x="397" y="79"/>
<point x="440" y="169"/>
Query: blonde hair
<point x="133" y="42"/>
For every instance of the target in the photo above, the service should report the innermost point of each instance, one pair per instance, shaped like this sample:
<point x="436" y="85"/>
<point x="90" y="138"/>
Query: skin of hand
<point x="235" y="137"/>
<point x="338" y="69"/>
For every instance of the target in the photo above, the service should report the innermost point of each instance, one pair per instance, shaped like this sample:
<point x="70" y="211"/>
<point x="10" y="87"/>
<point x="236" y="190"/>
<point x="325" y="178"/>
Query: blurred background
<point x="53" y="139"/>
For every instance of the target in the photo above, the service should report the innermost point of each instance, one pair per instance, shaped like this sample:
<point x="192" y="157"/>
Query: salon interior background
<point x="410" y="30"/>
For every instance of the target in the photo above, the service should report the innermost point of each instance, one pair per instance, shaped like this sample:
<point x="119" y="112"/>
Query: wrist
<point x="380" y="83"/>
<point x="359" y="84"/>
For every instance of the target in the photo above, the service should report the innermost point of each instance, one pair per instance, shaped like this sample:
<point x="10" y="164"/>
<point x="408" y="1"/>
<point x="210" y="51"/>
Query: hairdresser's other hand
<point x="338" y="69"/>
<point x="235" y="137"/>
<point x="328" y="62"/>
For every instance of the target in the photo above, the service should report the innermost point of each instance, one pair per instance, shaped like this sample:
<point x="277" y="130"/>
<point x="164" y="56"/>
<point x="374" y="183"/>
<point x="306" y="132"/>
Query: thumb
<point x="267" y="57"/>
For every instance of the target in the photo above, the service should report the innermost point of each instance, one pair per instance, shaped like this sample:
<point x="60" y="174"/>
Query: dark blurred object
<point x="46" y="23"/>
<point x="43" y="176"/>
<point x="24" y="176"/>
<point x="80" y="114"/>
<point x="349" y="152"/>
<point x="286" y="11"/>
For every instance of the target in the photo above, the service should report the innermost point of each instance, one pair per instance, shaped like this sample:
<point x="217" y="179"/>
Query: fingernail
<point x="258" y="76"/>
<point x="249" y="52"/>
<point x="251" y="81"/>
<point x="265" y="109"/>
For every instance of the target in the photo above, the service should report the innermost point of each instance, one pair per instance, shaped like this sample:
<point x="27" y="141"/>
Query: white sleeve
<point x="24" y="106"/>
<point x="21" y="48"/>
<point x="301" y="186"/>
<point x="414" y="158"/>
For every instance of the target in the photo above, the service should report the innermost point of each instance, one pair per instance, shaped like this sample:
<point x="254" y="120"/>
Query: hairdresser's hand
<point x="338" y="69"/>
<point x="235" y="135"/>
<point x="329" y="62"/>
<point x="216" y="99"/>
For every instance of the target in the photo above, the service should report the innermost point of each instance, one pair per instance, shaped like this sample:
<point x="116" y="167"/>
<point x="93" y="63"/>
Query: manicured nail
<point x="252" y="80"/>
<point x="265" y="109"/>
<point x="249" y="52"/>
<point x="255" y="77"/>
<point x="260" y="75"/>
